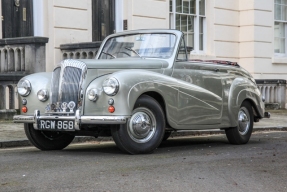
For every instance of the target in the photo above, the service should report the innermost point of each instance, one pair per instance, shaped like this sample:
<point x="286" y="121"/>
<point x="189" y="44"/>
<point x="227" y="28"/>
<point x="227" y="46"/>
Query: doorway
<point x="17" y="18"/>
<point x="103" y="18"/>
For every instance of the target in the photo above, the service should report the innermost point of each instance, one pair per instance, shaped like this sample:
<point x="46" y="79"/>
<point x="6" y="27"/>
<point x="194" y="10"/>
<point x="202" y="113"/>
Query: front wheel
<point x="144" y="131"/>
<point x="47" y="140"/>
<point x="242" y="132"/>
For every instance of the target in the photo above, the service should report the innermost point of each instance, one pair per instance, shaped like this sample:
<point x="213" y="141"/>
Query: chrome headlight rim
<point x="111" y="86"/>
<point x="92" y="94"/>
<point x="24" y="87"/>
<point x="43" y="95"/>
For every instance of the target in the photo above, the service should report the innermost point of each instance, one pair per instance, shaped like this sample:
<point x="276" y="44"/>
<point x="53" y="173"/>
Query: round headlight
<point x="93" y="94"/>
<point x="24" y="87"/>
<point x="43" y="95"/>
<point x="111" y="86"/>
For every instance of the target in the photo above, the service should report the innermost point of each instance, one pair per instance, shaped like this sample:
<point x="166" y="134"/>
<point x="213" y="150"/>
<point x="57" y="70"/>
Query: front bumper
<point x="79" y="120"/>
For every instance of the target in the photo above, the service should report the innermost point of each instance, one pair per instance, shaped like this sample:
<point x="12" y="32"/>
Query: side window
<point x="181" y="55"/>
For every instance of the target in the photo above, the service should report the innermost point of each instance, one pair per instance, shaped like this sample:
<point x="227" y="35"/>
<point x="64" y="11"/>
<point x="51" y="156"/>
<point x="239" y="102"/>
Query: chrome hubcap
<point x="142" y="125"/>
<point x="243" y="121"/>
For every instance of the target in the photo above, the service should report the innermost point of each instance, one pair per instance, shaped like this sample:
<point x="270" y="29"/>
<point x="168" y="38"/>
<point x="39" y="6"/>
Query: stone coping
<point x="24" y="40"/>
<point x="270" y="81"/>
<point x="12" y="76"/>
<point x="84" y="45"/>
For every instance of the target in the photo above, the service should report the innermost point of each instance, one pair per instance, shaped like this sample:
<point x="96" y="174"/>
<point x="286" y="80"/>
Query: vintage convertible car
<point x="139" y="88"/>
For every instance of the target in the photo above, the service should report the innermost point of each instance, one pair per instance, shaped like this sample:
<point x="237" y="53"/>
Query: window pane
<point x="282" y="45"/>
<point x="190" y="40"/>
<point x="200" y="24"/>
<point x="276" y="45"/>
<point x="171" y="23"/>
<point x="284" y="2"/>
<point x="191" y="24"/>
<point x="177" y="22"/>
<point x="201" y="42"/>
<point x="277" y="29"/>
<point x="181" y="55"/>
<point x="192" y="7"/>
<point x="277" y="12"/>
<point x="282" y="30"/>
<point x="279" y="37"/>
<point x="201" y="33"/>
<point x="178" y="6"/>
<point x="201" y="7"/>
<point x="170" y="5"/>
<point x="284" y="9"/>
<point x="185" y="6"/>
<point x="283" y="12"/>
<point x="277" y="1"/>
<point x="185" y="38"/>
<point x="183" y="23"/>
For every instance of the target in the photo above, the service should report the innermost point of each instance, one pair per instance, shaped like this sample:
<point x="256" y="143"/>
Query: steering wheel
<point x="125" y="53"/>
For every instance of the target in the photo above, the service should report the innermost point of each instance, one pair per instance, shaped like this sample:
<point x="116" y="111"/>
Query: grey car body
<point x="176" y="94"/>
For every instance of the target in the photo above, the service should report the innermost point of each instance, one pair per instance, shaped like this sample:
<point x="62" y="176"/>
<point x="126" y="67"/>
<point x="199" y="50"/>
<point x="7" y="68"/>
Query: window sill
<point x="279" y="60"/>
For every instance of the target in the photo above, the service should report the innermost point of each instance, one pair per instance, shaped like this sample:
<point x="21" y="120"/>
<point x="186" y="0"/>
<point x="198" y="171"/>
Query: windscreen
<point x="153" y="45"/>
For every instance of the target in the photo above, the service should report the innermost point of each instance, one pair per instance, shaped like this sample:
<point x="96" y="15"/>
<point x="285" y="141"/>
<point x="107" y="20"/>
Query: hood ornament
<point x="71" y="106"/>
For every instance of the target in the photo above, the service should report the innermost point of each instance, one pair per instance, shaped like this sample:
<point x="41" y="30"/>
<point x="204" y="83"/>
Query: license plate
<point x="57" y="125"/>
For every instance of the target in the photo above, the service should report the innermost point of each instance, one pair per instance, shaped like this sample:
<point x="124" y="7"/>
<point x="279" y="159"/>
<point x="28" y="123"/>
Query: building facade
<point x="250" y="32"/>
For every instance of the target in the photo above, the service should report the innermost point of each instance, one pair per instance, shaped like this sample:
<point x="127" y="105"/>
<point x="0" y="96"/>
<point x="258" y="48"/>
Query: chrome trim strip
<point x="59" y="113"/>
<point x="104" y="119"/>
<point x="36" y="121"/>
<point x="23" y="119"/>
<point x="77" y="118"/>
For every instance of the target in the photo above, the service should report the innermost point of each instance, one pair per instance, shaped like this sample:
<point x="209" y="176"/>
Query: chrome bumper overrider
<point x="77" y="118"/>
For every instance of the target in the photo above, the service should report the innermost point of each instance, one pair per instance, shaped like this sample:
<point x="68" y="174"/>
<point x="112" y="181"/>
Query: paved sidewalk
<point x="13" y="135"/>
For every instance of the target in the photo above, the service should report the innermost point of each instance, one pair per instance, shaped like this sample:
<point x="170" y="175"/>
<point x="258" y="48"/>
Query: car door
<point x="200" y="94"/>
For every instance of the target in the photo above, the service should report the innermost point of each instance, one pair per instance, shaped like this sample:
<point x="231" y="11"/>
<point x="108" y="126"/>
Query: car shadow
<point x="177" y="143"/>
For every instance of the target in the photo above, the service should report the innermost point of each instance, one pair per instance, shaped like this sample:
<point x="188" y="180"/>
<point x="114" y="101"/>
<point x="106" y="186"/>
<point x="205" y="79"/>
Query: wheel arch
<point x="255" y="110"/>
<point x="244" y="90"/>
<point x="160" y="99"/>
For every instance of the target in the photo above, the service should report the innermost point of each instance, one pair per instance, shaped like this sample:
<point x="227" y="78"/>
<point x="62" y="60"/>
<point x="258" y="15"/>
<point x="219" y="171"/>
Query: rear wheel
<point x="47" y="140"/>
<point x="242" y="133"/>
<point x="144" y="131"/>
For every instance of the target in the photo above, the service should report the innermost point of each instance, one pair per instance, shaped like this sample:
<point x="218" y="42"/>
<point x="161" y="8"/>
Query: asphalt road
<point x="181" y="164"/>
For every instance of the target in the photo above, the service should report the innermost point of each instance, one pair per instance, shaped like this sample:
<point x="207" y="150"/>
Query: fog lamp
<point x="43" y="95"/>
<point x="93" y="94"/>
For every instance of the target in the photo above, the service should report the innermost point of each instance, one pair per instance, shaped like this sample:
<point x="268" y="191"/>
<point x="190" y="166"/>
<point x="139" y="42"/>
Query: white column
<point x="38" y="17"/>
<point x="119" y="15"/>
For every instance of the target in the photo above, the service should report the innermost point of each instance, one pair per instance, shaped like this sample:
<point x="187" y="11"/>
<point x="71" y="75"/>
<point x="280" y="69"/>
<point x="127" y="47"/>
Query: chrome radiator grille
<point x="66" y="85"/>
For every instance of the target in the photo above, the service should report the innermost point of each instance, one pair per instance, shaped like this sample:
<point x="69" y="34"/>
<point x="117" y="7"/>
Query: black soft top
<point x="217" y="62"/>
